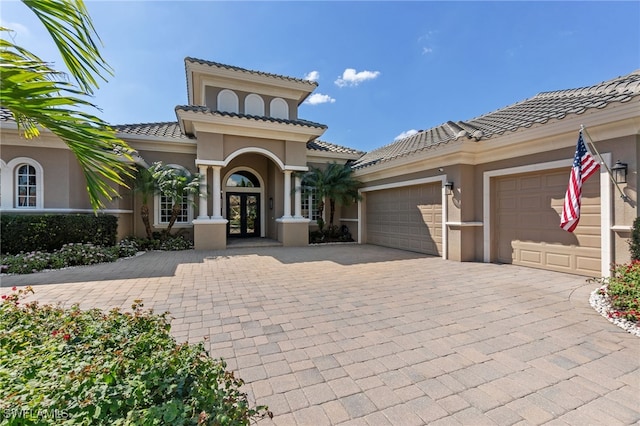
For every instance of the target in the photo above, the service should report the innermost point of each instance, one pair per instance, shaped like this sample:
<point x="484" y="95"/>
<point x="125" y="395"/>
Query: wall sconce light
<point x="619" y="171"/>
<point x="449" y="188"/>
<point x="270" y="203"/>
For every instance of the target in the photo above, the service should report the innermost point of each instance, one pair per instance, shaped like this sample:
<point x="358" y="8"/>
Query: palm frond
<point x="36" y="97"/>
<point x="70" y="26"/>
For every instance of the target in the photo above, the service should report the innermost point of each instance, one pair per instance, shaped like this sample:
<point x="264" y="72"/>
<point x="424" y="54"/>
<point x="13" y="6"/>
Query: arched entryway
<point x="244" y="203"/>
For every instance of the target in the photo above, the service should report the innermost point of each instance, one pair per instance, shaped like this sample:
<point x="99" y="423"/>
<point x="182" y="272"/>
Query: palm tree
<point x="145" y="184"/>
<point x="336" y="183"/>
<point x="175" y="184"/>
<point x="39" y="96"/>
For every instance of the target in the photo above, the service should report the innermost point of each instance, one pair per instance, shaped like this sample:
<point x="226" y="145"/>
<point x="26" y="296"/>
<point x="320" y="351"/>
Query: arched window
<point x="27" y="183"/>
<point x="254" y="105"/>
<point x="227" y="101"/>
<point x="279" y="108"/>
<point x="243" y="179"/>
<point x="26" y="186"/>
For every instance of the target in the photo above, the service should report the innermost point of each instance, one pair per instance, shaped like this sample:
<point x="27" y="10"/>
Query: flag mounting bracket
<point x="624" y="196"/>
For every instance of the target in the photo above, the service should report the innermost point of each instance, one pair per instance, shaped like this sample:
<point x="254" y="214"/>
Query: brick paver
<point x="364" y="335"/>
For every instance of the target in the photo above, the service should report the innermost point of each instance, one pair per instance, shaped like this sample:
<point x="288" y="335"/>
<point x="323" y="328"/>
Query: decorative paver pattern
<point x="365" y="335"/>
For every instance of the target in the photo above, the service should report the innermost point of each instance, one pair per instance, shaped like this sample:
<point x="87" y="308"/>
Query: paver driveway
<point x="368" y="335"/>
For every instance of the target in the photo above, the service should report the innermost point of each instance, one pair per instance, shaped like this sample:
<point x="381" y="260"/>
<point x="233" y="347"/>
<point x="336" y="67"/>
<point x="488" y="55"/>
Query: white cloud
<point x="319" y="98"/>
<point x="16" y="28"/>
<point x="352" y="78"/>
<point x="405" y="134"/>
<point x="312" y="76"/>
<point x="427" y="36"/>
<point x="426" y="50"/>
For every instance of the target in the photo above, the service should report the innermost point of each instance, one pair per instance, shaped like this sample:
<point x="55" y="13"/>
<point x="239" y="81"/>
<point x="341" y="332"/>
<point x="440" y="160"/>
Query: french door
<point x="243" y="214"/>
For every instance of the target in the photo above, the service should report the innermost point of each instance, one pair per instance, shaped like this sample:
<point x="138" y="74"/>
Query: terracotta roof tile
<point x="545" y="106"/>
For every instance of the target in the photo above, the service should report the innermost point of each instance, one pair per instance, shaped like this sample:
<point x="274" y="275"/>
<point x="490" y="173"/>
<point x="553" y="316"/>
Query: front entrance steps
<point x="252" y="242"/>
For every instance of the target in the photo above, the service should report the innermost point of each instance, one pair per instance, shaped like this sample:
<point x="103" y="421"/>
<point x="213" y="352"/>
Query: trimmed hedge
<point x="26" y="232"/>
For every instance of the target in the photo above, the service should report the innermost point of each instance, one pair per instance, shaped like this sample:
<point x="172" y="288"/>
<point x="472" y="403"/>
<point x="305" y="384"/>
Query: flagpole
<point x="602" y="162"/>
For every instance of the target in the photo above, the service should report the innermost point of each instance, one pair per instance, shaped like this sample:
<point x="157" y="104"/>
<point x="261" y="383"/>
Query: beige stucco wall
<point x="210" y="146"/>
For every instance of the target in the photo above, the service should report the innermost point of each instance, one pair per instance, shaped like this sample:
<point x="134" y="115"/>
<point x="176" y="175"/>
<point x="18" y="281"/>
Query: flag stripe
<point x="584" y="166"/>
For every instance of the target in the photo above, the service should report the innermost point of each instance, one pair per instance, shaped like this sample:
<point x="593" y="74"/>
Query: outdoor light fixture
<point x="449" y="187"/>
<point x="619" y="171"/>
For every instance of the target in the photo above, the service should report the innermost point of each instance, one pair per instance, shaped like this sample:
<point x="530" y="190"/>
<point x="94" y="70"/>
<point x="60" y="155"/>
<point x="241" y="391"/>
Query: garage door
<point x="527" y="230"/>
<point x="408" y="218"/>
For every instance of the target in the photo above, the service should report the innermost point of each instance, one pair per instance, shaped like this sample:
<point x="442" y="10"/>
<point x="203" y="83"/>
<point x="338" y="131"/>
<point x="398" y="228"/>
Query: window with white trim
<point x="310" y="204"/>
<point x="278" y="108"/>
<point x="254" y="105"/>
<point x="227" y="101"/>
<point x="164" y="208"/>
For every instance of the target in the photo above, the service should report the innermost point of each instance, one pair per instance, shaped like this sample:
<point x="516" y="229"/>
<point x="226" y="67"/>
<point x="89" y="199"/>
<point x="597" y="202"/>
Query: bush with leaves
<point x="69" y="255"/>
<point x="81" y="367"/>
<point x="622" y="291"/>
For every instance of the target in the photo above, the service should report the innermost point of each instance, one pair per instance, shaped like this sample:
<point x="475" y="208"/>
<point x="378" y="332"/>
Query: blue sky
<point x="383" y="68"/>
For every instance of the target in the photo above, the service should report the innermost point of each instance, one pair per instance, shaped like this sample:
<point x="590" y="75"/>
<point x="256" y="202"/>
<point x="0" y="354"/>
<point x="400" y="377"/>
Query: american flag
<point x="584" y="165"/>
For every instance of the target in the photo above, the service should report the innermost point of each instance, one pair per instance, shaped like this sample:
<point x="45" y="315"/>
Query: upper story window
<point x="279" y="109"/>
<point x="254" y="105"/>
<point x="227" y="101"/>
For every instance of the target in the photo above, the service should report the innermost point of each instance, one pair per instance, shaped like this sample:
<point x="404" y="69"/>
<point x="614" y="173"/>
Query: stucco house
<point x="486" y="189"/>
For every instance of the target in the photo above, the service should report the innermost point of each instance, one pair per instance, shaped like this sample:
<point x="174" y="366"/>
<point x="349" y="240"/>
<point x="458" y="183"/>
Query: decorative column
<point x="202" y="210"/>
<point x="217" y="205"/>
<point x="287" y="194"/>
<point x="298" y="197"/>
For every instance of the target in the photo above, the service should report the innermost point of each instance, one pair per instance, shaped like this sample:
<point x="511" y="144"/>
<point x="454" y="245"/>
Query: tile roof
<point x="209" y="111"/>
<point x="318" y="145"/>
<point x="537" y="110"/>
<point x="161" y="130"/>
<point x="6" y="115"/>
<point x="234" y="68"/>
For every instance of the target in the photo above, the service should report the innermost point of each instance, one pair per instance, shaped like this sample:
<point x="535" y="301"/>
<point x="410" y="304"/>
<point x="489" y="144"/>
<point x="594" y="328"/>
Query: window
<point x="24" y="185"/>
<point x="309" y="204"/>
<point x="254" y="105"/>
<point x="166" y="208"/>
<point x="163" y="206"/>
<point x="279" y="108"/>
<point x="227" y="101"/>
<point x="243" y="179"/>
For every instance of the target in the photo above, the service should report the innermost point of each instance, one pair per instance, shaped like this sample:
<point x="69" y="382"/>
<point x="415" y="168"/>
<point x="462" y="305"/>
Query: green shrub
<point x="634" y="243"/>
<point x="175" y="243"/>
<point x="622" y="290"/>
<point x="88" y="367"/>
<point x="68" y="255"/>
<point x="27" y="233"/>
<point x="128" y="247"/>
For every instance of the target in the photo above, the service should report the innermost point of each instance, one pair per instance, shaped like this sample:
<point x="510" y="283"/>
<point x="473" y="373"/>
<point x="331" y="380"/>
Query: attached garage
<point x="407" y="218"/>
<point x="525" y="225"/>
